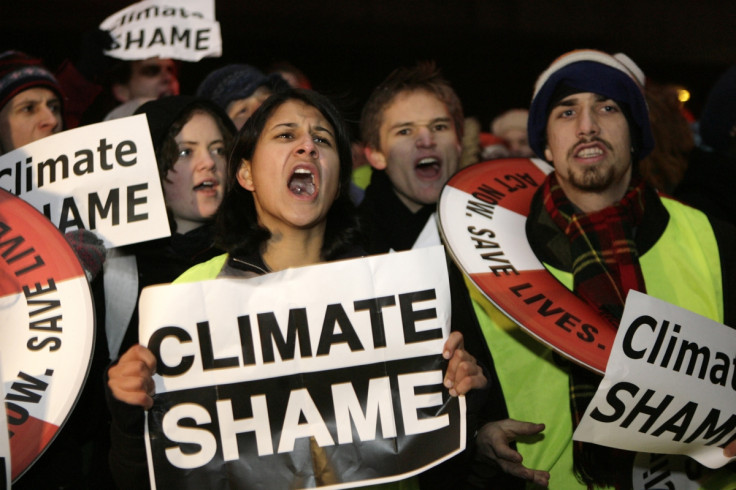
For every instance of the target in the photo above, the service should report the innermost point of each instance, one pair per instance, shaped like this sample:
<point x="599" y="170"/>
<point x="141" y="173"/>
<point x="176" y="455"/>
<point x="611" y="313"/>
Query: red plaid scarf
<point x="605" y="267"/>
<point x="605" y="260"/>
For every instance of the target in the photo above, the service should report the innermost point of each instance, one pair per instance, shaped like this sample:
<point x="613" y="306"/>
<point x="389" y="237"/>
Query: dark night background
<point x="491" y="51"/>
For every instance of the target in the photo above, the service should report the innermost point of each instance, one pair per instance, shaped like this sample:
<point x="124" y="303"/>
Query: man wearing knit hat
<point x="30" y="101"/>
<point x="602" y="231"/>
<point x="239" y="90"/>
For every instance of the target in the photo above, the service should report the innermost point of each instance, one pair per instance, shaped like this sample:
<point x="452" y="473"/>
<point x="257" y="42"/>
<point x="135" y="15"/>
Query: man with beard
<point x="602" y="231"/>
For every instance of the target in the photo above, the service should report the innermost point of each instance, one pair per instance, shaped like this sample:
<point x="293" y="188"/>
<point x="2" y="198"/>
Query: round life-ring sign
<point x="47" y="320"/>
<point x="482" y="217"/>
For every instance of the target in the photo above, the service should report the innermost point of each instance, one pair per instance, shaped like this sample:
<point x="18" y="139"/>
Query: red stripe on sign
<point x="508" y="182"/>
<point x="32" y="250"/>
<point x="28" y="441"/>
<point x="544" y="307"/>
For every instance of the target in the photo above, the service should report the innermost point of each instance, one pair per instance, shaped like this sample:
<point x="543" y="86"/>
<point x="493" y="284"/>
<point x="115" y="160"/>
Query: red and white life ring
<point x="482" y="217"/>
<point x="47" y="322"/>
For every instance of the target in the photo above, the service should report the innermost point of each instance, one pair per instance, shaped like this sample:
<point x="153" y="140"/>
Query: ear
<point x="120" y="92"/>
<point x="375" y="158"/>
<point x="245" y="177"/>
<point x="548" y="154"/>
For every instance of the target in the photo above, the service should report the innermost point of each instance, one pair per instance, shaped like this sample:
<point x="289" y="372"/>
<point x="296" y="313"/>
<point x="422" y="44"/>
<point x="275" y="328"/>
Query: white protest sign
<point x="669" y="387"/>
<point x="180" y="29"/>
<point x="102" y="177"/>
<point x="322" y="376"/>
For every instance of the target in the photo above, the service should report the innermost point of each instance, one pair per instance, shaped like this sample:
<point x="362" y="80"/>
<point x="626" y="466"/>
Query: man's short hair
<point x="422" y="76"/>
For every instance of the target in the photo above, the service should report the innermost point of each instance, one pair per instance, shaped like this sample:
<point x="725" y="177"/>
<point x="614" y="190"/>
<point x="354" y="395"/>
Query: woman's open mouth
<point x="302" y="183"/>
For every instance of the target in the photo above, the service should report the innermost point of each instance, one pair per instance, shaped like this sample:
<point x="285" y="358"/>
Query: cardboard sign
<point x="670" y="385"/>
<point x="482" y="216"/>
<point x="181" y="29"/>
<point x="102" y="177"/>
<point x="323" y="376"/>
<point x="48" y="328"/>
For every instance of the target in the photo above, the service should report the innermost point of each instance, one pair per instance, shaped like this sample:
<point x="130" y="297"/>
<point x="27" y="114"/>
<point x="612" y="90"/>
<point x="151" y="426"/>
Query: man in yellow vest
<point x="602" y="231"/>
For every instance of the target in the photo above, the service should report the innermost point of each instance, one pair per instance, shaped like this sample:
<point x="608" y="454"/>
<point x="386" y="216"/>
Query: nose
<point x="588" y="123"/>
<point x="425" y="138"/>
<point x="206" y="161"/>
<point x="307" y="147"/>
<point x="49" y="118"/>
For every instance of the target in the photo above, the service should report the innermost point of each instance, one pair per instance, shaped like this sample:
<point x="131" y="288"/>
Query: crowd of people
<point x="257" y="177"/>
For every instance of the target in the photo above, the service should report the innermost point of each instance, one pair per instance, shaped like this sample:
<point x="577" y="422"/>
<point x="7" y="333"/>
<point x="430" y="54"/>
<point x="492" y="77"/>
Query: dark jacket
<point x="390" y="225"/>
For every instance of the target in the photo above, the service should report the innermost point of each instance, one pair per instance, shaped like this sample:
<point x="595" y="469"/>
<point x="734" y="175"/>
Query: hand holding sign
<point x="131" y="379"/>
<point x="463" y="373"/>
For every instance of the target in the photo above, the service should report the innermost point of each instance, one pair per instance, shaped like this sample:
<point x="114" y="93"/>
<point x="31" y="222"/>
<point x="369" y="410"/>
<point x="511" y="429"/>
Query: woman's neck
<point x="294" y="248"/>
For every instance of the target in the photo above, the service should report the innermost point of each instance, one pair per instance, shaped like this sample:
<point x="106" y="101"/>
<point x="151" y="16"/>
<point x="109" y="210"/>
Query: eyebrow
<point x="39" y="100"/>
<point x="570" y="101"/>
<point x="412" y="123"/>
<point x="188" y="142"/>
<point x="294" y="125"/>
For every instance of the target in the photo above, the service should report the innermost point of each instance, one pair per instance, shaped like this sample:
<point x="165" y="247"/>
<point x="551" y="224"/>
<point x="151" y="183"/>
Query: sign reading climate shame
<point x="670" y="385"/>
<point x="102" y="177"/>
<point x="328" y="375"/>
<point x="180" y="29"/>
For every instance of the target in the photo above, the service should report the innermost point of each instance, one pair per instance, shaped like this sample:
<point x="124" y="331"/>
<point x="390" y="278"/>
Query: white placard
<point x="353" y="348"/>
<point x="102" y="177"/>
<point x="669" y="387"/>
<point x="179" y="29"/>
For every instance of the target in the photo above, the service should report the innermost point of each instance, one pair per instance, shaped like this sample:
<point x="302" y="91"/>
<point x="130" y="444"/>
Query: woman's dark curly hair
<point x="237" y="228"/>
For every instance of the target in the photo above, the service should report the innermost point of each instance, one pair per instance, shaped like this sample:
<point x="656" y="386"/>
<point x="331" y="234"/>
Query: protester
<point x="191" y="138"/>
<point x="471" y="143"/>
<point x="412" y="126"/>
<point x="588" y="117"/>
<point x="711" y="170"/>
<point x="31" y="101"/>
<point x="293" y="75"/>
<point x="239" y="90"/>
<point x="119" y="87"/>
<point x="511" y="128"/>
<point x="665" y="166"/>
<point x="152" y="77"/>
<point x="266" y="227"/>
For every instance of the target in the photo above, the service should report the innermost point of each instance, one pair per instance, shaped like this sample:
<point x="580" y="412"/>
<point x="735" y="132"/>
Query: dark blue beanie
<point x="617" y="78"/>
<point x="235" y="82"/>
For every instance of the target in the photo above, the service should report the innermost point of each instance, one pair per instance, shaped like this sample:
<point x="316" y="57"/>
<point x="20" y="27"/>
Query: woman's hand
<point x="131" y="379"/>
<point x="493" y="441"/>
<point x="463" y="373"/>
<point x="730" y="450"/>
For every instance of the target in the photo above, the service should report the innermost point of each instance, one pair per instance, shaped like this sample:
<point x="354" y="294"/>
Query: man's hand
<point x="463" y="373"/>
<point x="493" y="441"/>
<point x="130" y="380"/>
